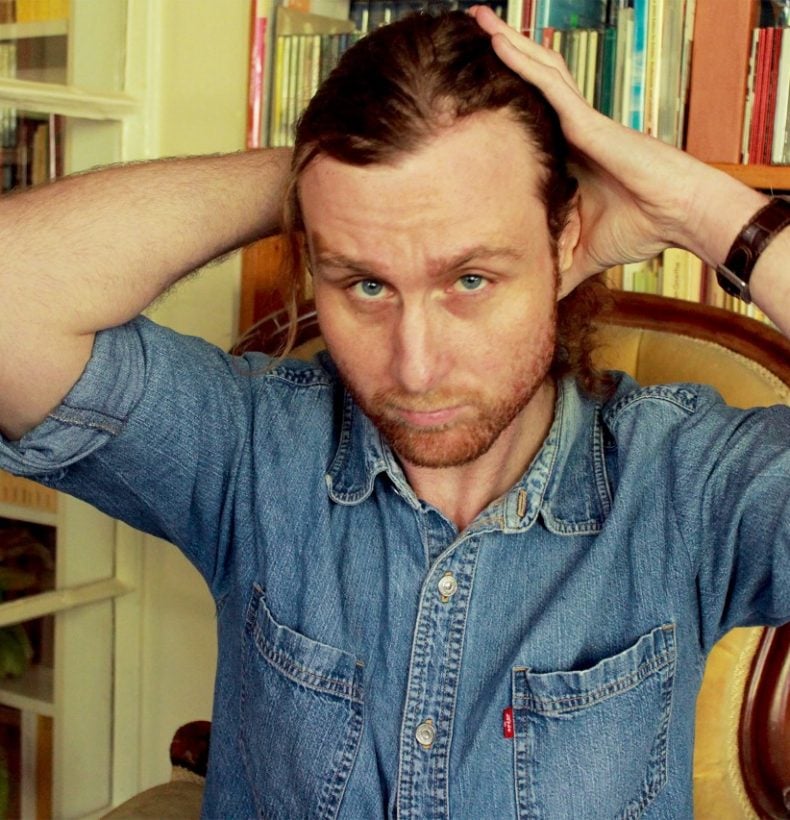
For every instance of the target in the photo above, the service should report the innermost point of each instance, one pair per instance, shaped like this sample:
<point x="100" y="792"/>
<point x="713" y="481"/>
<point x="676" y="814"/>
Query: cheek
<point x="357" y="351"/>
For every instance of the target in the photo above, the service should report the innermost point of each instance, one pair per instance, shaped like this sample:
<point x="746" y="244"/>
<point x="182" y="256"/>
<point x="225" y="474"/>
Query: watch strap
<point x="734" y="275"/>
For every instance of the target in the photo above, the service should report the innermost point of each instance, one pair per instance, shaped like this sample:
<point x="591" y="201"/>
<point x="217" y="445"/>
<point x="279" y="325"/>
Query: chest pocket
<point x="593" y="743"/>
<point x="301" y="710"/>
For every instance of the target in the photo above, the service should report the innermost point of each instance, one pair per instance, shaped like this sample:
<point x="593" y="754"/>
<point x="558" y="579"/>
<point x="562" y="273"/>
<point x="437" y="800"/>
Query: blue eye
<point x="368" y="288"/>
<point x="471" y="281"/>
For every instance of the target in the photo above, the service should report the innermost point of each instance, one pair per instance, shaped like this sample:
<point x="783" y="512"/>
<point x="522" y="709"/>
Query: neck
<point x="462" y="493"/>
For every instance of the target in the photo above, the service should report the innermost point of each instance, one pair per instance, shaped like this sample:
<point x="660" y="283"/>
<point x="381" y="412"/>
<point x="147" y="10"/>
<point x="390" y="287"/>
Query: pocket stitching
<point x="300" y="674"/>
<point x="602" y="693"/>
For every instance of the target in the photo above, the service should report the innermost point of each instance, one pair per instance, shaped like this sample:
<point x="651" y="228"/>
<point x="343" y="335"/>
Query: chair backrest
<point x="742" y="750"/>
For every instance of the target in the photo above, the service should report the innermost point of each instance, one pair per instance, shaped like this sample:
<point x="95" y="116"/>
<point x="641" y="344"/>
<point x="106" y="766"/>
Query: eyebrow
<point x="438" y="266"/>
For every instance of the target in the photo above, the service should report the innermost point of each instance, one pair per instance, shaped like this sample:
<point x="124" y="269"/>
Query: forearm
<point x="770" y="282"/>
<point x="101" y="246"/>
<point x="92" y="251"/>
<point x="721" y="207"/>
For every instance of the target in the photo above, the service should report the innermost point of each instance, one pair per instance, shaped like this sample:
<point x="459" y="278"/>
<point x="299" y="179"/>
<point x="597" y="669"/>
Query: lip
<point x="429" y="418"/>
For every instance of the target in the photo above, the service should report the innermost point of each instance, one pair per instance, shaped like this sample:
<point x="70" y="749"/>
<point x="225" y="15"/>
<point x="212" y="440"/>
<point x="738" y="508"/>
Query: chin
<point x="438" y="449"/>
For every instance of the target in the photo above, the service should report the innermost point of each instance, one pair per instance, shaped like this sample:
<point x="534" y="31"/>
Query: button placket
<point x="433" y="680"/>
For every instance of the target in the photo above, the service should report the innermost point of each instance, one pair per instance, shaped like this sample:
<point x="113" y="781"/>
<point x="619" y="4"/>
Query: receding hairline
<point x="444" y="123"/>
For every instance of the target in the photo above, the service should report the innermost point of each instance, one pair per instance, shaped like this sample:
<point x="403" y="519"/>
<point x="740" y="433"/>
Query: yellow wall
<point x="197" y="99"/>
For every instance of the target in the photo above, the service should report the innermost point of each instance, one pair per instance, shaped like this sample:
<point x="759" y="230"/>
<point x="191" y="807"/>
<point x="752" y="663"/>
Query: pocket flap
<point x="557" y="692"/>
<point x="304" y="660"/>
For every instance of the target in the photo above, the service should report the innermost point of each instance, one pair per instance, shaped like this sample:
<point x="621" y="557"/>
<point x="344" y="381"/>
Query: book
<point x="568" y="14"/>
<point x="775" y="40"/>
<point x="681" y="275"/>
<point x="685" y="68"/>
<point x="655" y="13"/>
<point x="528" y="17"/>
<point x="626" y="68"/>
<point x="674" y="271"/>
<point x="592" y="73"/>
<point x="719" y="67"/>
<point x="782" y="95"/>
<point x="299" y="64"/>
<point x="620" y="61"/>
<point x="748" y="114"/>
<point x="605" y="102"/>
<point x="669" y="98"/>
<point x="257" y="91"/>
<point x="761" y="80"/>
<point x="636" y="98"/>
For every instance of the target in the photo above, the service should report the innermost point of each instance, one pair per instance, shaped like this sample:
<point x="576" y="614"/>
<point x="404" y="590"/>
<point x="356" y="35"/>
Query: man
<point x="433" y="525"/>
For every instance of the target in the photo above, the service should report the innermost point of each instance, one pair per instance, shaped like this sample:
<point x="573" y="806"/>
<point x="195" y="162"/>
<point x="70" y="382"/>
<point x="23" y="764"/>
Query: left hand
<point x="638" y="195"/>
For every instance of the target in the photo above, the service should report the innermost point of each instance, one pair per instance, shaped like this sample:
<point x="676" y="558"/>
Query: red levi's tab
<point x="508" y="727"/>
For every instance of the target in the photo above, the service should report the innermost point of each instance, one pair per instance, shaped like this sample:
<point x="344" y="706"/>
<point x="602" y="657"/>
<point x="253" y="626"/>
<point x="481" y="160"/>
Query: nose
<point x="419" y="352"/>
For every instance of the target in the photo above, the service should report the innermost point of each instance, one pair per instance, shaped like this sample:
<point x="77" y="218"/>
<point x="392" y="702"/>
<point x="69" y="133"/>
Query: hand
<point x="638" y="195"/>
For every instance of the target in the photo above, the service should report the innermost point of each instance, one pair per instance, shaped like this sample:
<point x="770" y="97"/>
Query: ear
<point x="566" y="247"/>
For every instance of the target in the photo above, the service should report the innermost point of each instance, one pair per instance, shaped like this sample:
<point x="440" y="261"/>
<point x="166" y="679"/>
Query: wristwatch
<point x="733" y="276"/>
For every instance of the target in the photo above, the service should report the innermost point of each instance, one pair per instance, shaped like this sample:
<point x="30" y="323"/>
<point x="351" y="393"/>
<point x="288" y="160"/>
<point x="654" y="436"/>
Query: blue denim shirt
<point x="370" y="654"/>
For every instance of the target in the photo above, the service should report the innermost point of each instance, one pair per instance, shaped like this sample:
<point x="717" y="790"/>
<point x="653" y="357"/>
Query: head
<point x="431" y="184"/>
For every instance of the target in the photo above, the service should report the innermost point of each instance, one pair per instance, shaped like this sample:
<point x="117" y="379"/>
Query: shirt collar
<point x="566" y="484"/>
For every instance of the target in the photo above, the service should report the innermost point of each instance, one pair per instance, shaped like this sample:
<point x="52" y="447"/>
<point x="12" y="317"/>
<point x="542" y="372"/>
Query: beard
<point x="483" y="419"/>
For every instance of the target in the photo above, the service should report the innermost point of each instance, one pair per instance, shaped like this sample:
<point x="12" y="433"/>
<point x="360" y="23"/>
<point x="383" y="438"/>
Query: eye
<point x="470" y="282"/>
<point x="367" y="289"/>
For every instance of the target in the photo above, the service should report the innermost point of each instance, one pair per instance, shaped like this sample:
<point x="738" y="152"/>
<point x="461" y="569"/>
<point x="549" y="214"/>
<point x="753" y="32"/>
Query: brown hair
<point x="397" y="88"/>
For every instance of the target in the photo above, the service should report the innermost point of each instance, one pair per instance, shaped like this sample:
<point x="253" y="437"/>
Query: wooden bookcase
<point x="260" y="265"/>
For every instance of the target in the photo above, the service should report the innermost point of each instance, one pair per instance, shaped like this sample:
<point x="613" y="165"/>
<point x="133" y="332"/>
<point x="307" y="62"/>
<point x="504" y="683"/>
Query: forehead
<point x="476" y="181"/>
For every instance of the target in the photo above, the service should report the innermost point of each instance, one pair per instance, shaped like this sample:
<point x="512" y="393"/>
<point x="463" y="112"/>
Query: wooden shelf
<point x="766" y="177"/>
<point x="23" y="499"/>
<point x="33" y="692"/>
<point x="28" y="515"/>
<point x="29" y="31"/>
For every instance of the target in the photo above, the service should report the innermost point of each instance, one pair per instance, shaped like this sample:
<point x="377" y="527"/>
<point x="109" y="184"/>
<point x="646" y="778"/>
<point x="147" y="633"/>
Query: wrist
<point x="754" y="238"/>
<point x="718" y="211"/>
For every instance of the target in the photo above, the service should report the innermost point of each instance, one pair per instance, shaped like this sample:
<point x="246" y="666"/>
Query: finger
<point x="493" y="25"/>
<point x="545" y="69"/>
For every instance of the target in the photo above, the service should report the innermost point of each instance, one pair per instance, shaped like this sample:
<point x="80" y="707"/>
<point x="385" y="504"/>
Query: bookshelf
<point x="774" y="178"/>
<point x="675" y="69"/>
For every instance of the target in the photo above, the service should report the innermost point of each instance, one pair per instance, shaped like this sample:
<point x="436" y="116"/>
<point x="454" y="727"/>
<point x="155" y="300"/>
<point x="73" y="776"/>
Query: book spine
<point x="719" y="69"/>
<point x="608" y="60"/>
<point x="775" y="47"/>
<point x="782" y="95"/>
<point x="592" y="72"/>
<point x="748" y="113"/>
<point x="636" y="105"/>
<point x="255" y="89"/>
<point x="689" y="15"/>
<point x="760" y="95"/>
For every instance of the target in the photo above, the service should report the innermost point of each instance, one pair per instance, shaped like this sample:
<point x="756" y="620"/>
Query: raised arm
<point x="92" y="251"/>
<point x="639" y="195"/>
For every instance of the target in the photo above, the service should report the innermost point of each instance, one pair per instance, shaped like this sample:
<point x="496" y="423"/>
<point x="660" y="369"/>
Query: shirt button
<point x="447" y="586"/>
<point x="426" y="734"/>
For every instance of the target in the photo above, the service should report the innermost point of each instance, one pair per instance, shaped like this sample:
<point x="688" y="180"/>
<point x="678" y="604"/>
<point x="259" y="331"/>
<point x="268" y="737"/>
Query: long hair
<point x="396" y="89"/>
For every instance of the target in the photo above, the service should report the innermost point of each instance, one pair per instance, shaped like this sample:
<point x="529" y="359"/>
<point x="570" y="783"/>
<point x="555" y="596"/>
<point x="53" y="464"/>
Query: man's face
<point x="436" y="287"/>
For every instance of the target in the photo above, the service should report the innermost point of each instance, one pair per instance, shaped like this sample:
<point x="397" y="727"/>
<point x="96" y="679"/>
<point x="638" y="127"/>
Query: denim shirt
<point x="376" y="662"/>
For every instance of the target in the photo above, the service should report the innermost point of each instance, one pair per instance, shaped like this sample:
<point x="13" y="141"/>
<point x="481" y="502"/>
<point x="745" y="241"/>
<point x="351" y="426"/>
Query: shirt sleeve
<point x="153" y="433"/>
<point x="735" y="512"/>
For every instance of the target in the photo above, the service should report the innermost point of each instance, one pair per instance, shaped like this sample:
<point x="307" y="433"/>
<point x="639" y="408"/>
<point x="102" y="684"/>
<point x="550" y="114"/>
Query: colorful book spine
<point x="636" y="99"/>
